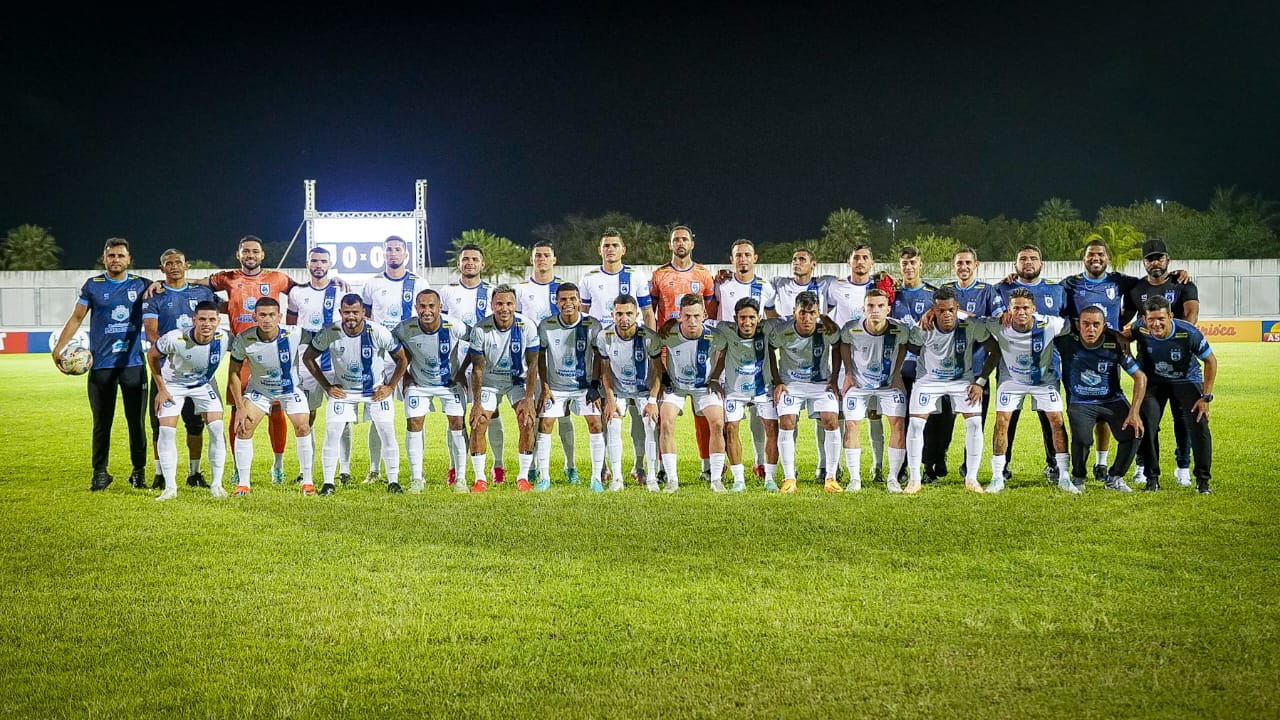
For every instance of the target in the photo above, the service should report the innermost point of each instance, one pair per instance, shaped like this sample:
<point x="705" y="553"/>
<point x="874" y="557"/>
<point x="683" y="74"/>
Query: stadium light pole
<point x="1160" y="202"/>
<point x="893" y="229"/>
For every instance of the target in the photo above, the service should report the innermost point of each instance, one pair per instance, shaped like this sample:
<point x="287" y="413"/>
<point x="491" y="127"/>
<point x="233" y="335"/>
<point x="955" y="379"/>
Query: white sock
<point x="717" y="465"/>
<point x="568" y="441"/>
<point x="669" y="464"/>
<point x="853" y="461"/>
<point x="459" y="455"/>
<point x="1062" y="460"/>
<point x="413" y="448"/>
<point x="375" y="447"/>
<point x="306" y="457"/>
<point x="787" y="453"/>
<point x="596" y="442"/>
<point x="875" y="428"/>
<point x="915" y="447"/>
<point x="896" y="457"/>
<point x="477" y="466"/>
<point x="997" y="466"/>
<point x="650" y="450"/>
<point x="390" y="450"/>
<point x="217" y="452"/>
<point x="193" y="466"/>
<point x="737" y="472"/>
<point x="497" y="443"/>
<point x="167" y="449"/>
<point x="613" y="445"/>
<point x="524" y="460"/>
<point x="1101" y="457"/>
<point x="542" y="454"/>
<point x="244" y="459"/>
<point x="335" y="435"/>
<point x="344" y="456"/>
<point x="770" y="471"/>
<point x="832" y="445"/>
<point x="972" y="446"/>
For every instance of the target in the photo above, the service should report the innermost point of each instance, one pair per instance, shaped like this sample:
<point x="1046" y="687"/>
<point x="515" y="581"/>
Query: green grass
<point x="568" y="604"/>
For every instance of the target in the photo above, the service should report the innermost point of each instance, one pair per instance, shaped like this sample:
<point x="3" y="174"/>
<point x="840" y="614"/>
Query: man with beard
<point x="626" y="376"/>
<point x="740" y="348"/>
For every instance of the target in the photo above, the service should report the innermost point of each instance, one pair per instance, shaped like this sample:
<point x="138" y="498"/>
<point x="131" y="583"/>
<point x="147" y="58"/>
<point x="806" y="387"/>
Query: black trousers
<point x="1083" y="417"/>
<point x="131" y="384"/>
<point x="1182" y="396"/>
<point x="192" y="420"/>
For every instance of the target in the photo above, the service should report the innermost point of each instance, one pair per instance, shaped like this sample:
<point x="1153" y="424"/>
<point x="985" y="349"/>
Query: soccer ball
<point x="76" y="360"/>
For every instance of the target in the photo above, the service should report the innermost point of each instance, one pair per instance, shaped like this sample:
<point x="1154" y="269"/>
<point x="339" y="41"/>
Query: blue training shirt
<point x="174" y="308"/>
<point x="115" y="319"/>
<point x="1091" y="375"/>
<point x="1174" y="359"/>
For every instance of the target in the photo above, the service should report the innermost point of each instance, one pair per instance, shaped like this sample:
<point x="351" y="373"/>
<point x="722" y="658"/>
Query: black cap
<point x="1154" y="246"/>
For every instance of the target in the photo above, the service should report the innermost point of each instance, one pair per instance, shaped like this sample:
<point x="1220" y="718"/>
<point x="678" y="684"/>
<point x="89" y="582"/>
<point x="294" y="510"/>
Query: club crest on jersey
<point x="406" y="296"/>
<point x="624" y="288"/>
<point x="515" y="346"/>
<point x="264" y="289"/>
<point x="133" y="296"/>
<point x="193" y="302"/>
<point x="1111" y="293"/>
<point x="919" y="306"/>
<point x="1104" y="367"/>
<point x="444" y="348"/>
<point x="971" y="306"/>
<point x="366" y="353"/>
<point x="580" y="346"/>
<point x="1175" y="354"/>
<point x="1037" y="346"/>
<point x="695" y="286"/>
<point x="328" y="303"/>
<point x="1170" y="295"/>
<point x="284" y="357"/>
<point x="481" y="304"/>
<point x="1048" y="302"/>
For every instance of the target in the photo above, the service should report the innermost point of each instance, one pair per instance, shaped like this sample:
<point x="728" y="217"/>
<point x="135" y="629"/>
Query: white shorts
<point x="623" y="403"/>
<point x="736" y="408"/>
<point x="293" y="403"/>
<point x="418" y="401"/>
<point x="489" y="397"/>
<point x="701" y="398"/>
<point x="347" y="410"/>
<point x="563" y="402"/>
<point x="204" y="397"/>
<point x="797" y="396"/>
<point x="888" y="401"/>
<point x="926" y="397"/>
<point x="1009" y="396"/>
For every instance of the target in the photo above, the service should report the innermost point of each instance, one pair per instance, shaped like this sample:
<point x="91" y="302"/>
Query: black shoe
<point x="326" y="489"/>
<point x="1153" y="484"/>
<point x="1100" y="472"/>
<point x="929" y="477"/>
<point x="196" y="479"/>
<point x="1050" y="473"/>
<point x="964" y="470"/>
<point x="138" y="479"/>
<point x="1202" y="486"/>
<point x="662" y="475"/>
<point x="100" y="481"/>
<point x="940" y="469"/>
<point x="298" y="480"/>
<point x="343" y="478"/>
<point x="393" y="487"/>
<point x="1008" y="474"/>
<point x="157" y="482"/>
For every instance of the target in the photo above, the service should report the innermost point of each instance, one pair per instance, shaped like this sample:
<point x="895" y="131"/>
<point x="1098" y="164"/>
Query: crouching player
<point x="190" y="359"/>
<point x="740" y="347"/>
<point x="872" y="348"/>
<point x="436" y="344"/>
<point x="623" y="351"/>
<point x="271" y="351"/>
<point x="357" y="349"/>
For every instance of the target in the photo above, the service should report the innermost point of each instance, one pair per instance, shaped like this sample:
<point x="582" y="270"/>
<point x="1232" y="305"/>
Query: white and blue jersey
<point x="729" y="292"/>
<point x="598" y="289"/>
<point x="537" y="301"/>
<point x="874" y="357"/>
<point x="628" y="359"/>
<point x="569" y="352"/>
<point x="187" y="363"/>
<point x="947" y="357"/>
<point x="1107" y="292"/>
<point x="801" y="358"/>
<point x="502" y="352"/>
<point x="468" y="304"/>
<point x="746" y="364"/>
<point x="314" y="308"/>
<point x="273" y="364"/>
<point x="389" y="301"/>
<point x="845" y="300"/>
<point x="1175" y="358"/>
<point x="688" y="359"/>
<point x="1027" y="357"/>
<point x="1091" y="375"/>
<point x="357" y="359"/>
<point x="115" y="322"/>
<point x="786" y="289"/>
<point x="175" y="308"/>
<point x="434" y="356"/>
<point x="982" y="300"/>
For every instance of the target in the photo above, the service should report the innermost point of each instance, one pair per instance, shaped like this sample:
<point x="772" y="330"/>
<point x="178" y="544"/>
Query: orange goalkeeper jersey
<point x="243" y="292"/>
<point x="669" y="284"/>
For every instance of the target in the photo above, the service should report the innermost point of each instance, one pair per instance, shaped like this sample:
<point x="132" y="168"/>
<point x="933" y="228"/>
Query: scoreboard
<point x="355" y="239"/>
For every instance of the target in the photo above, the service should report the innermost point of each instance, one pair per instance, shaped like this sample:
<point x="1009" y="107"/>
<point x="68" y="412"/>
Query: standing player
<point x="566" y="368"/>
<point x="740" y="348"/>
<point x="800" y="362"/>
<point x="687" y="361"/>
<point x="1027" y="367"/>
<point x="536" y="301"/>
<point x="911" y="299"/>
<point x="626" y="376"/>
<point x="271" y="353"/>
<point x="174" y="308"/>
<point x="1091" y="364"/>
<point x="872" y="347"/>
<point x="388" y="300"/>
<point x="1170" y="352"/>
<point x="801" y="279"/>
<point x="358" y="349"/>
<point x="191" y="357"/>
<point x="114" y="302"/>
<point x="435" y="344"/>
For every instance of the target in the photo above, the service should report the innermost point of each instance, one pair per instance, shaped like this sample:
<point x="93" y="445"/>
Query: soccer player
<point x="801" y="279"/>
<point x="1091" y="364"/>
<point x="504" y="363"/>
<point x="944" y="371"/>
<point x="911" y="299"/>
<point x="1027" y="367"/>
<point x="687" y="361"/>
<point x="113" y="300"/>
<point x="740" y="348"/>
<point x="173" y="308"/>
<point x="872" y="347"/>
<point x="626" y="376"/>
<point x="435" y="344"/>
<point x="312" y="308"/>
<point x="389" y="300"/>
<point x="357" y="349"/>
<point x="270" y="351"/>
<point x="1184" y="302"/>
<point x="1170" y="352"/>
<point x="800" y="362"/>
<point x="536" y="301"/>
<point x="567" y="371"/>
<point x="190" y="358"/>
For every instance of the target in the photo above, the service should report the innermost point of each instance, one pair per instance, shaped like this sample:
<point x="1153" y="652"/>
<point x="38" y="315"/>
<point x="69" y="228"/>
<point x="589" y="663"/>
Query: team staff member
<point x="114" y="302"/>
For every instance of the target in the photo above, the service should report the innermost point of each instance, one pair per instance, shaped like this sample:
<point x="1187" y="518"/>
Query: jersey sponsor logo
<point x="119" y="313"/>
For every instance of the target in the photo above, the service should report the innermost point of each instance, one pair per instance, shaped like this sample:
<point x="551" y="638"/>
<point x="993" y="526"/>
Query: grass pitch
<point x="1031" y="603"/>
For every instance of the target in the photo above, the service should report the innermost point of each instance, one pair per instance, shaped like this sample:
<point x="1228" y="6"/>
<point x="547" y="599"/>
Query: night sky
<point x="194" y="132"/>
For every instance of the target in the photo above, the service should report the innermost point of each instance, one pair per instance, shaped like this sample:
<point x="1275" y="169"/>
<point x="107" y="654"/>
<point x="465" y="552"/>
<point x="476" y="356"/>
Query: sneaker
<point x="1153" y="483"/>
<point x="973" y="486"/>
<point x="417" y="486"/>
<point x="523" y="485"/>
<point x="327" y="489"/>
<point x="929" y="478"/>
<point x="788" y="486"/>
<point x="1139" y="475"/>
<point x="1202" y="486"/>
<point x="758" y="471"/>
<point x="615" y="485"/>
<point x="218" y="491"/>
<point x="277" y="476"/>
<point x="995" y="486"/>
<point x="371" y="478"/>
<point x="940" y="469"/>
<point x="499" y="475"/>
<point x="344" y="478"/>
<point x="652" y="485"/>
<point x="704" y="477"/>
<point x="1100" y="473"/>
<point x="1050" y="473"/>
<point x="1183" y="476"/>
<point x="637" y="475"/>
<point x="662" y="474"/>
<point x="394" y="488"/>
<point x="770" y="485"/>
<point x="100" y="481"/>
<point x="571" y="476"/>
<point x="138" y="479"/>
<point x="543" y="484"/>
<point x="196" y="479"/>
<point x="1008" y="474"/>
<point x="308" y="489"/>
<point x="892" y="485"/>
<point x="596" y="485"/>
<point x="240" y="491"/>
<point x="298" y="480"/>
<point x="1117" y="484"/>
<point x="672" y="486"/>
<point x="1079" y="483"/>
<point x="877" y="474"/>
<point x="855" y="485"/>
<point x="739" y="486"/>
<point x="461" y="485"/>
<point x="480" y="486"/>
<point x="235" y="475"/>
<point x="157" y="482"/>
<point x="832" y="485"/>
<point x="717" y="485"/>
<point x="453" y="475"/>
<point x="533" y="475"/>
<point x="913" y="487"/>
<point x="1065" y="485"/>
<point x="168" y="494"/>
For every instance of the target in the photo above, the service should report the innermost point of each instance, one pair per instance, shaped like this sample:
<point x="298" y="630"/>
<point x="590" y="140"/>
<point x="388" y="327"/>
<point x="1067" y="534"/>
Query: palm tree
<point x="1057" y="210"/>
<point x="1124" y="242"/>
<point x="29" y="247"/>
<point x="501" y="256"/>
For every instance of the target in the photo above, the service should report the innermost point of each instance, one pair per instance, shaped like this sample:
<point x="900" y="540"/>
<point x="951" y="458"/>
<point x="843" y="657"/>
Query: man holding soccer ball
<point x="114" y="300"/>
